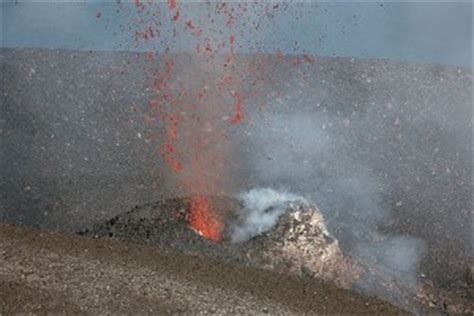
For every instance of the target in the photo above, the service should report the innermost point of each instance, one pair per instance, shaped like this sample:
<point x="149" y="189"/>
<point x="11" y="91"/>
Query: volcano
<point x="299" y="243"/>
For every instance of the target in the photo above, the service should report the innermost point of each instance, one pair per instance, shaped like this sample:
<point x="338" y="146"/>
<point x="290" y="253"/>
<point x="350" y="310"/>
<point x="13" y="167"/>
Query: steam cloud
<point x="262" y="208"/>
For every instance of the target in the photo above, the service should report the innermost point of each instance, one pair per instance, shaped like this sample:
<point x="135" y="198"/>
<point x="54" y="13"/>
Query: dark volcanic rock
<point x="164" y="224"/>
<point x="300" y="244"/>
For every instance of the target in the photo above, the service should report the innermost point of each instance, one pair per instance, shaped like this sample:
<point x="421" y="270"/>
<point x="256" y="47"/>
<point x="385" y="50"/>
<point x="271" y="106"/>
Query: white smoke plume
<point x="261" y="209"/>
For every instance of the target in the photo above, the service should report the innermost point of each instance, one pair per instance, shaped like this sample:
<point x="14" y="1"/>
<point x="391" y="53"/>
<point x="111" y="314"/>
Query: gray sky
<point x="435" y="32"/>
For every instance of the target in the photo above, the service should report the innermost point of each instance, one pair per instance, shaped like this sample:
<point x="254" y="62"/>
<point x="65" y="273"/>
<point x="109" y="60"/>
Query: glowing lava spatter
<point x="194" y="119"/>
<point x="204" y="218"/>
<point x="238" y="110"/>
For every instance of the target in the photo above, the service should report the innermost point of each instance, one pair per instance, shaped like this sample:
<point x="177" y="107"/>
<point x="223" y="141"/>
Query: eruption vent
<point x="204" y="219"/>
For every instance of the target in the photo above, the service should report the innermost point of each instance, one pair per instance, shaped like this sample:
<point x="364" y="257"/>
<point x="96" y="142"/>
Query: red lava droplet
<point x="149" y="57"/>
<point x="190" y="24"/>
<point x="239" y="115"/>
<point x="279" y="55"/>
<point x="309" y="59"/>
<point x="176" y="16"/>
<point x="172" y="4"/>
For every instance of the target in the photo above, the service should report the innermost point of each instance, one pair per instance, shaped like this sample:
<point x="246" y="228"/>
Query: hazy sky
<point x="437" y="32"/>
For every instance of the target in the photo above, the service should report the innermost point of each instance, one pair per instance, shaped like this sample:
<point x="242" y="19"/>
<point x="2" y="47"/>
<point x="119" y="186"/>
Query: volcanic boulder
<point x="300" y="244"/>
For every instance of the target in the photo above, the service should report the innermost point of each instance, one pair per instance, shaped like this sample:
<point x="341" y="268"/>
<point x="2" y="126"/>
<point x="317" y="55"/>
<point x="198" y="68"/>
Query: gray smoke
<point x="397" y="258"/>
<point x="261" y="209"/>
<point x="307" y="152"/>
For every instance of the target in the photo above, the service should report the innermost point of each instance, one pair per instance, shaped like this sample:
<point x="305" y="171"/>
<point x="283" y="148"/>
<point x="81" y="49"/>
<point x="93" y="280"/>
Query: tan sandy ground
<point x="43" y="272"/>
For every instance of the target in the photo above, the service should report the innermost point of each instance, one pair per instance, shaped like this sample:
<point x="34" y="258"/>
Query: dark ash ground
<point x="157" y="224"/>
<point x="43" y="272"/>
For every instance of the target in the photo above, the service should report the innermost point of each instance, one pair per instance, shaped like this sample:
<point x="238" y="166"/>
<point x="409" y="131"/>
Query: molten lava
<point x="204" y="219"/>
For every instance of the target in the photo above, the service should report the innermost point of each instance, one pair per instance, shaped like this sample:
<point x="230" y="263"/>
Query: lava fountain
<point x="204" y="219"/>
<point x="199" y="105"/>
